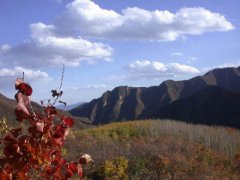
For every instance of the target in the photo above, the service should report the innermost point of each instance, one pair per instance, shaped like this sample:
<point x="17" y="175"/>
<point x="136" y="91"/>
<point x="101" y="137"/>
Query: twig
<point x="62" y="77"/>
<point x="60" y="85"/>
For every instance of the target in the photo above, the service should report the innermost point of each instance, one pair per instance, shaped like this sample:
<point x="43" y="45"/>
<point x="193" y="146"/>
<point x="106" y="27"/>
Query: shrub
<point x="37" y="153"/>
<point x="4" y="128"/>
<point x="116" y="168"/>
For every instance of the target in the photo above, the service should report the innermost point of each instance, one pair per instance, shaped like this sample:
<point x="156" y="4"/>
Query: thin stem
<point x="60" y="85"/>
<point x="62" y="77"/>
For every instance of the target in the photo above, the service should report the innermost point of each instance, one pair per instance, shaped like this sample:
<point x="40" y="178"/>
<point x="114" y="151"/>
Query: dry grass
<point x="160" y="149"/>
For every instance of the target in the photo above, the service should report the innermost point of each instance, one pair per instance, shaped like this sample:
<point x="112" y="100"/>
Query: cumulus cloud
<point x="46" y="48"/>
<point x="192" y="59"/>
<point x="224" y="65"/>
<point x="89" y="86"/>
<point x="17" y="71"/>
<point x="59" y="1"/>
<point x="8" y="75"/>
<point x="62" y="42"/>
<point x="4" y="48"/>
<point x="97" y="86"/>
<point x="176" y="54"/>
<point x="133" y="23"/>
<point x="86" y="16"/>
<point x="156" y="69"/>
<point x="177" y="68"/>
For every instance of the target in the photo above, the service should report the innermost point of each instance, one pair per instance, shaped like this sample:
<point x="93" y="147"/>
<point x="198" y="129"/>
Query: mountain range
<point x="68" y="106"/>
<point x="209" y="99"/>
<point x="212" y="99"/>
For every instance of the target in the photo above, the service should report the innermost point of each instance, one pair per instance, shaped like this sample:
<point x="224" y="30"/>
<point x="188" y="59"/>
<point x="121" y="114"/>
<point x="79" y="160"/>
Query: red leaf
<point x="3" y="176"/>
<point x="69" y="173"/>
<point x="82" y="161"/>
<point x="23" y="139"/>
<point x="68" y="121"/>
<point x="56" y="153"/>
<point x="21" y="115"/>
<point x="16" y="132"/>
<point x="58" y="161"/>
<point x="7" y="169"/>
<point x="24" y="88"/>
<point x="35" y="132"/>
<point x="50" y="110"/>
<point x="11" y="149"/>
<point x="48" y="170"/>
<point x="80" y="171"/>
<point x="60" y="131"/>
<point x="58" y="141"/>
<point x="47" y="127"/>
<point x="73" y="166"/>
<point x="22" y="175"/>
<point x="9" y="139"/>
<point x="34" y="162"/>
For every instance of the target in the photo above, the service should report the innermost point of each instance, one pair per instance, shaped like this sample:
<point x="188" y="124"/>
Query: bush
<point x="35" y="152"/>
<point x="116" y="168"/>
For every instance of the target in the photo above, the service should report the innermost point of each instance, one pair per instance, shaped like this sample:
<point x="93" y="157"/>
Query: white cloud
<point x="9" y="75"/>
<point x="62" y="42"/>
<point x="97" y="86"/>
<point x="89" y="86"/>
<point x="176" y="54"/>
<point x="224" y="65"/>
<point x="156" y="69"/>
<point x="59" y="1"/>
<point x="46" y="48"/>
<point x="87" y="18"/>
<point x="28" y="73"/>
<point x="4" y="48"/>
<point x="146" y="67"/>
<point x="177" y="68"/>
<point x="192" y="59"/>
<point x="59" y="43"/>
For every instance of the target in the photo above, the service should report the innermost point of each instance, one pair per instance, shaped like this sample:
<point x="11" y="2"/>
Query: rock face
<point x="130" y="103"/>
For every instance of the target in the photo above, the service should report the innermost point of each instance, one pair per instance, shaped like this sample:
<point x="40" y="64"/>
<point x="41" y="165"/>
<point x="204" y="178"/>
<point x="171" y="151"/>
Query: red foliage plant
<point x="37" y="152"/>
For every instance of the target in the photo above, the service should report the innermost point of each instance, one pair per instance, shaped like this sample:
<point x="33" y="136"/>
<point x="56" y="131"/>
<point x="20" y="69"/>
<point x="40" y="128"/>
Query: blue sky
<point x="105" y="44"/>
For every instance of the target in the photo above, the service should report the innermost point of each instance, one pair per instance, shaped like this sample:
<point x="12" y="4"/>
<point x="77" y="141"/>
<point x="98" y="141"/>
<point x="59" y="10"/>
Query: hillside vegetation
<point x="154" y="149"/>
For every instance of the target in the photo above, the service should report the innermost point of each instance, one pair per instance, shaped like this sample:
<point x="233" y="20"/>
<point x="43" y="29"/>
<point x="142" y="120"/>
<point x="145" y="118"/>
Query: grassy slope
<point x="158" y="149"/>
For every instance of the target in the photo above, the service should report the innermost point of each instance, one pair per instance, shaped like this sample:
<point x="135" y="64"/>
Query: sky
<point x="104" y="44"/>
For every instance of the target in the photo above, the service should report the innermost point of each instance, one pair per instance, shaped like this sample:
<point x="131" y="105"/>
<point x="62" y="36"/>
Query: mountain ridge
<point x="129" y="103"/>
<point x="211" y="105"/>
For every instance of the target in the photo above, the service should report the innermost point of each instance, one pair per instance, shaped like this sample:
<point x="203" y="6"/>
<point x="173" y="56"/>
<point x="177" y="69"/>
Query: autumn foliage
<point x="35" y="151"/>
<point x="159" y="149"/>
